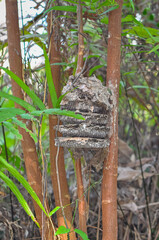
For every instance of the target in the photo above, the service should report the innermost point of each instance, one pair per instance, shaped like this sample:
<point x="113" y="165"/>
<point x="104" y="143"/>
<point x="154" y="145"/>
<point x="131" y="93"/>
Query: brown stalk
<point x="61" y="193"/>
<point x="81" y="198"/>
<point x="28" y="145"/>
<point x="80" y="39"/>
<point x="109" y="185"/>
<point x="80" y="187"/>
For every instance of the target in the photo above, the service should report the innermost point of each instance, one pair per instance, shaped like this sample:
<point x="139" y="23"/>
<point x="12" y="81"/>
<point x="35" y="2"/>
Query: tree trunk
<point x="28" y="145"/>
<point x="109" y="186"/>
<point x="61" y="192"/>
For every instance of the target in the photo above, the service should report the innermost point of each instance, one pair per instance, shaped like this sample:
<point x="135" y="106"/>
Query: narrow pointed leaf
<point x="50" y="82"/>
<point x="19" y="196"/>
<point x="37" y="101"/>
<point x="21" y="102"/>
<point x="23" y="125"/>
<point x="13" y="130"/>
<point x="109" y="10"/>
<point x="58" y="111"/>
<point x="54" y="210"/>
<point x="7" y="113"/>
<point x="22" y="180"/>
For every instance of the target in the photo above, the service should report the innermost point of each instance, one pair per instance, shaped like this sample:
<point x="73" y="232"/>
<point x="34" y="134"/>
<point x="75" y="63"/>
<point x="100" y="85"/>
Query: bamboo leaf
<point x="109" y="10"/>
<point x="132" y="5"/>
<point x="92" y="70"/>
<point x="50" y="82"/>
<point x="30" y="93"/>
<point x="12" y="129"/>
<point x="21" y="102"/>
<point x="58" y="111"/>
<point x="62" y="8"/>
<point x="54" y="210"/>
<point x="7" y="113"/>
<point x="145" y="87"/>
<point x="19" y="196"/>
<point x="22" y="180"/>
<point x="23" y="125"/>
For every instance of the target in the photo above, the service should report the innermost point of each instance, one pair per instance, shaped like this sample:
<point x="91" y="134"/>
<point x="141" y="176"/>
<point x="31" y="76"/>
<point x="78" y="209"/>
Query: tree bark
<point x="61" y="193"/>
<point x="109" y="185"/>
<point x="28" y="145"/>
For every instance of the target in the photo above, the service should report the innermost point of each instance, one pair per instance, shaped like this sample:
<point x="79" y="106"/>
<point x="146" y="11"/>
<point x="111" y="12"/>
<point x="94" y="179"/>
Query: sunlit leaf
<point x="62" y="230"/>
<point x="54" y="210"/>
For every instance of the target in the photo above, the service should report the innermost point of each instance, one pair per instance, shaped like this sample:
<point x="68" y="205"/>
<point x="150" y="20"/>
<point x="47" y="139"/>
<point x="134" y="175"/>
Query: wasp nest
<point x="88" y="97"/>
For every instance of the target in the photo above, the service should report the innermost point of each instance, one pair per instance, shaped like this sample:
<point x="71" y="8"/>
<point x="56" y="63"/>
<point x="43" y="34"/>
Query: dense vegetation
<point x="138" y="117"/>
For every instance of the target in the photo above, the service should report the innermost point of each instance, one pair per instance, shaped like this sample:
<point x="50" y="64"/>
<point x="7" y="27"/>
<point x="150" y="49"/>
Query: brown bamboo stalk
<point x="80" y="39"/>
<point x="109" y="185"/>
<point x="61" y="193"/>
<point x="80" y="187"/>
<point x="81" y="198"/>
<point x="28" y="145"/>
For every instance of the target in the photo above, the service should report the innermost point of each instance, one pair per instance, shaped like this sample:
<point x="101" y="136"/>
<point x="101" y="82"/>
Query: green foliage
<point x="19" y="101"/>
<point x="82" y="234"/>
<point x="19" y="196"/>
<point x="64" y="230"/>
<point x="50" y="80"/>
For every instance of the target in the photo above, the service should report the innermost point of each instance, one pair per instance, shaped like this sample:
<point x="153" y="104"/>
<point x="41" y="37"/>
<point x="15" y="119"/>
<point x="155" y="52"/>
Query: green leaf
<point x="154" y="49"/>
<point x="62" y="230"/>
<point x="82" y="234"/>
<point x="12" y="129"/>
<point x="58" y="111"/>
<point x="145" y="87"/>
<point x="152" y="41"/>
<point x="62" y="8"/>
<point x="23" y="125"/>
<point x="92" y="70"/>
<point x="54" y="210"/>
<point x="19" y="196"/>
<point x="30" y="93"/>
<point x="21" y="102"/>
<point x="28" y="116"/>
<point x="22" y="180"/>
<point x="132" y="5"/>
<point x="50" y="82"/>
<point x="62" y="96"/>
<point x="106" y="3"/>
<point x="27" y="37"/>
<point x="7" y="113"/>
<point x="143" y="32"/>
<point x="109" y="10"/>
